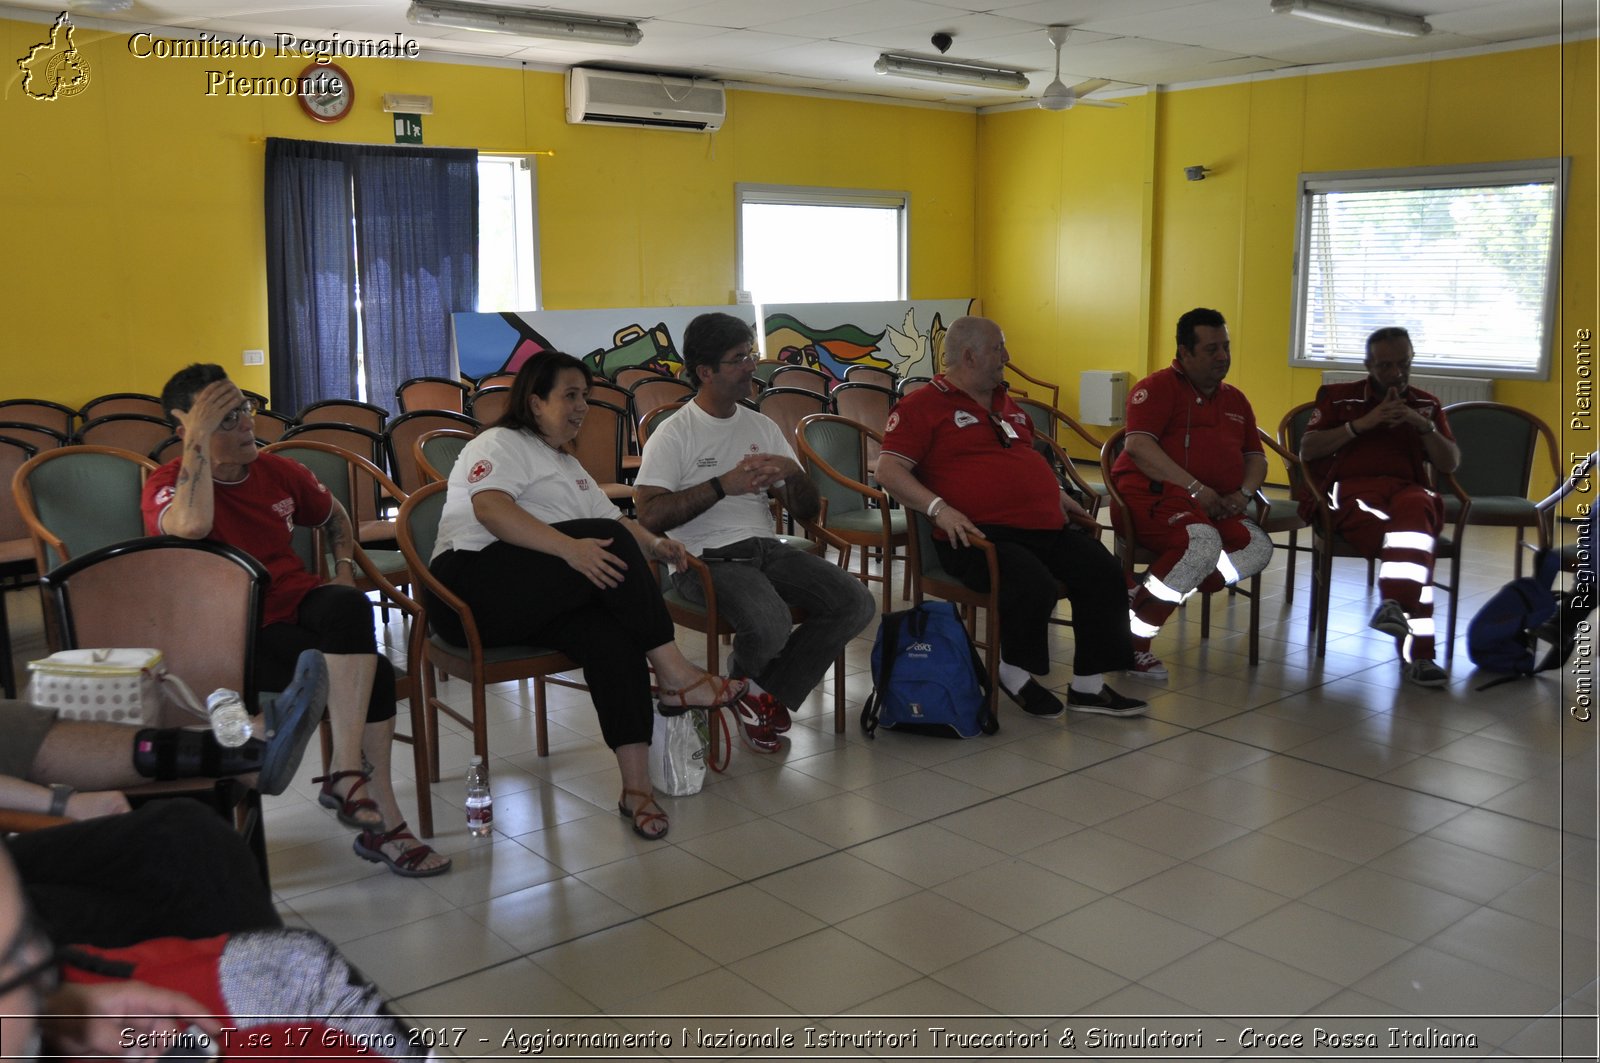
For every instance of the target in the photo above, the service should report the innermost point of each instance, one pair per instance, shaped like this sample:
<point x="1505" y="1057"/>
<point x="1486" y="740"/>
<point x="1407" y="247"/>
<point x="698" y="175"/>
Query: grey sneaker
<point x="1425" y="673"/>
<point x="1390" y="619"/>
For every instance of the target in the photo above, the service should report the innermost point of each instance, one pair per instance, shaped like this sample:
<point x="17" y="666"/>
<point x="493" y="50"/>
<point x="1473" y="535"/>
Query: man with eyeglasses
<point x="37" y="1009"/>
<point x="960" y="451"/>
<point x="222" y="488"/>
<point x="707" y="475"/>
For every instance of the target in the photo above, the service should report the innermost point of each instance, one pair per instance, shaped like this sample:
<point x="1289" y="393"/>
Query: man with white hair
<point x="962" y="452"/>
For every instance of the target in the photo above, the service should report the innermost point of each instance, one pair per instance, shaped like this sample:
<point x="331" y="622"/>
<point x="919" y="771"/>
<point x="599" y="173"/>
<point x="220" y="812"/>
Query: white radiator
<point x="1450" y="389"/>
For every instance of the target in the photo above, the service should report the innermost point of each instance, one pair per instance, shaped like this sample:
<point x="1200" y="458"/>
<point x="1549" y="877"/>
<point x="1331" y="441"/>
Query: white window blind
<point x="821" y="245"/>
<point x="1464" y="259"/>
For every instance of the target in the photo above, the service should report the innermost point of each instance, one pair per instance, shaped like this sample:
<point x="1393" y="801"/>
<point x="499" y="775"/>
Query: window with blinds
<point x="821" y="245"/>
<point x="1465" y="258"/>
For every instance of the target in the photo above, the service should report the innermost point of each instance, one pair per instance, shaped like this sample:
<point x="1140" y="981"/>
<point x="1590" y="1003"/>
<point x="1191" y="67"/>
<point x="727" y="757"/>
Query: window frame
<point x="1457" y="176"/>
<point x="751" y="193"/>
<point x="527" y="257"/>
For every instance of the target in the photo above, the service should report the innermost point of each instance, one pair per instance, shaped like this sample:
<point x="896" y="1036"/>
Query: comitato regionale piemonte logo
<point x="55" y="69"/>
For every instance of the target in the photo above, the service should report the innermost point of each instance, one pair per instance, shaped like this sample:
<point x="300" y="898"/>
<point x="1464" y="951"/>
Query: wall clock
<point x="327" y="105"/>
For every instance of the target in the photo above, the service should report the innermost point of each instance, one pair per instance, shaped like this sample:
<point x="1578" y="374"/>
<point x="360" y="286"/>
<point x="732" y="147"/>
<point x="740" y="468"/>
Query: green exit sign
<point x="408" y="129"/>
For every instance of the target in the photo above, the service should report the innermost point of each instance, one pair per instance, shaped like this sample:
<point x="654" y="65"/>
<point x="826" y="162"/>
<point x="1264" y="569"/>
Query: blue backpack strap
<point x="888" y="650"/>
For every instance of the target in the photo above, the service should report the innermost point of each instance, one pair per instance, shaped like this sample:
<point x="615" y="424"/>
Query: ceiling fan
<point x="1057" y="96"/>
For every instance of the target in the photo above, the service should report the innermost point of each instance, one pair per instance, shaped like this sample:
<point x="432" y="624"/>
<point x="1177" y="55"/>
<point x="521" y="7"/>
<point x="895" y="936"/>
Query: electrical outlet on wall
<point x="255" y="357"/>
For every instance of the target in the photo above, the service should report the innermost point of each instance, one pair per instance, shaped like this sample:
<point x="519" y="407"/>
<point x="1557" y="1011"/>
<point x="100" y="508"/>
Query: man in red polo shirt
<point x="962" y="452"/>
<point x="1193" y="460"/>
<point x="1368" y="444"/>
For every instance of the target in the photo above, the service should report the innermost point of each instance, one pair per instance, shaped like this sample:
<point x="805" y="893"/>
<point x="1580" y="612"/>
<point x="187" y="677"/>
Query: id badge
<point x="1011" y="433"/>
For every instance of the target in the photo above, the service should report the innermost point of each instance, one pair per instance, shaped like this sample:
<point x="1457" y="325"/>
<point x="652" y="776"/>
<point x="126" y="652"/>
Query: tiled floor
<point x="1272" y="848"/>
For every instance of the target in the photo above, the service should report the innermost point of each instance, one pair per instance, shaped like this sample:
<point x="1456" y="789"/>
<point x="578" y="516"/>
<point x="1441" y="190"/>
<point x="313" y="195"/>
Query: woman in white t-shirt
<point x="533" y="545"/>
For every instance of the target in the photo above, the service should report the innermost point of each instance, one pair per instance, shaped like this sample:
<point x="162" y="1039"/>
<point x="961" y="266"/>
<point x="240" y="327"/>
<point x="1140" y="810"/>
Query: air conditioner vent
<point x="653" y="101"/>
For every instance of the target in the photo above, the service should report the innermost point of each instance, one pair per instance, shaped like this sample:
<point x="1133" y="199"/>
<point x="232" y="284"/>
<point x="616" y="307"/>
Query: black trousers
<point x="333" y="618"/>
<point x="523" y="597"/>
<point x="170" y="868"/>
<point x="1031" y="563"/>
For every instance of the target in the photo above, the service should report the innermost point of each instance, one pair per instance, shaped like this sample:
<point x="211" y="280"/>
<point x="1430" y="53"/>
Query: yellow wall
<point x="1067" y="202"/>
<point x="133" y="211"/>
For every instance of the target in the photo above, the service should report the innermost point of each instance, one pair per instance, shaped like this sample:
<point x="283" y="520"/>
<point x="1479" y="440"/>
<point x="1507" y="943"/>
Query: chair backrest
<point x="362" y="442"/>
<point x="646" y="395"/>
<point x="490" y="404"/>
<point x="137" y="432"/>
<point x="1110" y="451"/>
<point x="829" y="442"/>
<point x="35" y="435"/>
<point x="346" y="411"/>
<point x="196" y="601"/>
<point x="496" y="380"/>
<point x="605" y="391"/>
<point x="436" y="452"/>
<point x="41" y="412"/>
<point x="598" y="446"/>
<point x="13" y="454"/>
<point x="799" y="376"/>
<point x="75" y="500"/>
<point x="872" y="374"/>
<point x="627" y="378"/>
<point x="1291" y="430"/>
<point x="359" y="485"/>
<point x="1498" y="446"/>
<point x="432" y="393"/>
<point x="908" y="384"/>
<point x="650" y="420"/>
<point x="417" y="531"/>
<point x="270" y="426"/>
<point x="867" y="404"/>
<point x="261" y="401"/>
<point x="409" y="427"/>
<point x="765" y="368"/>
<point x="787" y="405"/>
<point x="1046" y="419"/>
<point x="169" y="448"/>
<point x="1041" y="389"/>
<point x="122" y="402"/>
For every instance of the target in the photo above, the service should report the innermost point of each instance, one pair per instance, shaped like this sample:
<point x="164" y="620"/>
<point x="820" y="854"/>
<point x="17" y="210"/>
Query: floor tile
<point x="1224" y="979"/>
<point x="1007" y="979"/>
<point x="734" y="923"/>
<point x="823" y="973"/>
<point x="1121" y="937"/>
<point x="1228" y="903"/>
<point x="901" y="929"/>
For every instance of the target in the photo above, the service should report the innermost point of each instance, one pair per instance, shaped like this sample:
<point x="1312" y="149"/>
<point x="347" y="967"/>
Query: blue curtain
<point x="406" y="220"/>
<point x="417" y="250"/>
<point x="311" y="310"/>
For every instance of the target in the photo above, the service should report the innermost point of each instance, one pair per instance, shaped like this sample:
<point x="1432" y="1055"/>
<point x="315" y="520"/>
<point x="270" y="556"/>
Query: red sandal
<point x="641" y="818"/>
<point x="348" y="807"/>
<point x="369" y="846"/>
<point x="723" y="692"/>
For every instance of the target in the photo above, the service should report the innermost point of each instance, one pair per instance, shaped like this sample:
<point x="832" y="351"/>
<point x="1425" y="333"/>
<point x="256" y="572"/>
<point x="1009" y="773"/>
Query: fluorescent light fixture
<point x="1354" y="18"/>
<point x="405" y="103"/>
<point x="989" y="77"/>
<point x="521" y="22"/>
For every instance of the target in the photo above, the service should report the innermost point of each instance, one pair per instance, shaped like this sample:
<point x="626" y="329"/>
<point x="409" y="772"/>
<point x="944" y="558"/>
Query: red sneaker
<point x="756" y="718"/>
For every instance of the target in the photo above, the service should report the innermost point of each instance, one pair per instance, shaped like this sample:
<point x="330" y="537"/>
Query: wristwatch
<point x="60" y="794"/>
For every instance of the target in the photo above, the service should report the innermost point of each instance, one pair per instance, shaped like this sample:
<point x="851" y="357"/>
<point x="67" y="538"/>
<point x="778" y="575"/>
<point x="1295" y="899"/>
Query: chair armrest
<point x="13" y="822"/>
<point x="381" y="583"/>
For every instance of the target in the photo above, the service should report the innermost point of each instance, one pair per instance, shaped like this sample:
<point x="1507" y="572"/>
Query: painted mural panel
<point x="904" y="336"/>
<point x="901" y="335"/>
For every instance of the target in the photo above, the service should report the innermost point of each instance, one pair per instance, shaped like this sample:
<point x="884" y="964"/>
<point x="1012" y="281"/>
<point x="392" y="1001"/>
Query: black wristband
<point x="60" y="794"/>
<point x="716" y="485"/>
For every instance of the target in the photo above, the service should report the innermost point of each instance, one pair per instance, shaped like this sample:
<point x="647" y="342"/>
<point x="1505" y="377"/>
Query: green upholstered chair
<point x="1499" y="450"/>
<point x="836" y="451"/>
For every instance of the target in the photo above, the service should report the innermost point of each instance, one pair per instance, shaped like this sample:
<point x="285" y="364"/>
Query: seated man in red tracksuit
<point x="1368" y="445"/>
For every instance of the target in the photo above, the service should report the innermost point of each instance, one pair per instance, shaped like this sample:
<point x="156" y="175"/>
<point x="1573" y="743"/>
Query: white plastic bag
<point x="115" y="685"/>
<point x="678" y="753"/>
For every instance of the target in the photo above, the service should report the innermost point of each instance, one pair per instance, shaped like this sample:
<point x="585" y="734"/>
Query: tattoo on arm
<point x="662" y="512"/>
<point x="799" y="496"/>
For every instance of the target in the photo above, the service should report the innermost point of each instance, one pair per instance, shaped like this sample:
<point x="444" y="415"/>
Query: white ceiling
<point x="830" y="45"/>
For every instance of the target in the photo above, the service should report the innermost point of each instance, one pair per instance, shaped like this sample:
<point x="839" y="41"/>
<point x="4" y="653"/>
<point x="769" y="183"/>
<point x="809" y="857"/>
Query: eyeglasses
<point x="230" y="420"/>
<point x="42" y="975"/>
<point x="740" y="359"/>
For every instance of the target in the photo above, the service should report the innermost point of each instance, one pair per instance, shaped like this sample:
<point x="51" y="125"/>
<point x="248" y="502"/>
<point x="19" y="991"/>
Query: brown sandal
<point x="369" y="846"/>
<point x="725" y="692"/>
<point x="348" y="807"/>
<point x="642" y="818"/>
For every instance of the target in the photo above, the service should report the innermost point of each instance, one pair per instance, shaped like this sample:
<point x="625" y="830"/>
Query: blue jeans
<point x="757" y="582"/>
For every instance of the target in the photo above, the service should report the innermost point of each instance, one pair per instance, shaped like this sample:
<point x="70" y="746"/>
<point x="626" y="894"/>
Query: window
<point x="818" y="245"/>
<point x="508" y="252"/>
<point x="1464" y="257"/>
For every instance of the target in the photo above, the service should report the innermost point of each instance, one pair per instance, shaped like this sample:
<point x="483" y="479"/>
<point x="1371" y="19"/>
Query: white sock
<point x="1012" y="677"/>
<point x="1088" y="684"/>
<point x="755" y="688"/>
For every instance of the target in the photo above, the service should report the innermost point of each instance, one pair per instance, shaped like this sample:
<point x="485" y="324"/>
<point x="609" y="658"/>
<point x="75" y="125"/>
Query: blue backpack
<point x="926" y="676"/>
<point x="1502" y="635"/>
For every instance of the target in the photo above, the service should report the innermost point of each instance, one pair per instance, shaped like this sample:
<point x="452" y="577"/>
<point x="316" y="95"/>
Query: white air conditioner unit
<point x="654" y="101"/>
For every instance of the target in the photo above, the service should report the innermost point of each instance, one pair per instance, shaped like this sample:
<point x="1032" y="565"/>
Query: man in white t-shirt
<point x="706" y="476"/>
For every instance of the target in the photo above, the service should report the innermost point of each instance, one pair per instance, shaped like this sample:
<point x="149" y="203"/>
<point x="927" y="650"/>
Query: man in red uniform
<point x="1192" y="461"/>
<point x="962" y="452"/>
<point x="1368" y="444"/>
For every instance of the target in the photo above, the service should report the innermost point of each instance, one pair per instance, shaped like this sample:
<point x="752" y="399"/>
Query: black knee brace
<point x="177" y="753"/>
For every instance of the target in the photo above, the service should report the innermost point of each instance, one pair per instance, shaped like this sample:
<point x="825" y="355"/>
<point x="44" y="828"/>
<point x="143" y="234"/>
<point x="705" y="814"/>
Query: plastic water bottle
<point x="480" y="805"/>
<point x="230" y="723"/>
